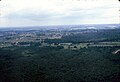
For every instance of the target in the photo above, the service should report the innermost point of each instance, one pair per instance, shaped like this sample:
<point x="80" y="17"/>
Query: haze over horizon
<point x="16" y="13"/>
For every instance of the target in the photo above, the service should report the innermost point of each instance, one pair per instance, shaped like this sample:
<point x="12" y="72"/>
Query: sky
<point x="58" y="12"/>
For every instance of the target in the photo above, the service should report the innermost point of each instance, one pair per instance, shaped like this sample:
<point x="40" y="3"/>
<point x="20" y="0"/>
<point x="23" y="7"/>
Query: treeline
<point x="101" y="35"/>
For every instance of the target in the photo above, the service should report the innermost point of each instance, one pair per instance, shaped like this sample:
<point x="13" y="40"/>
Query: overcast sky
<point x="58" y="12"/>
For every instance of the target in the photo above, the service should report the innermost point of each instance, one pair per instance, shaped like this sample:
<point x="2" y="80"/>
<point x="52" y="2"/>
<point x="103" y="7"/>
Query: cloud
<point x="52" y="12"/>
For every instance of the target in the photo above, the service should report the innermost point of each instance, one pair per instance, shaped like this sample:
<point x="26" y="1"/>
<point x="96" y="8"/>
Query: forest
<point x="55" y="64"/>
<point x="23" y="58"/>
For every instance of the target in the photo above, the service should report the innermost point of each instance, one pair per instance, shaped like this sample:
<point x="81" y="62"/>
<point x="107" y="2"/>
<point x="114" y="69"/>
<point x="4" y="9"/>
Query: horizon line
<point x="51" y="25"/>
